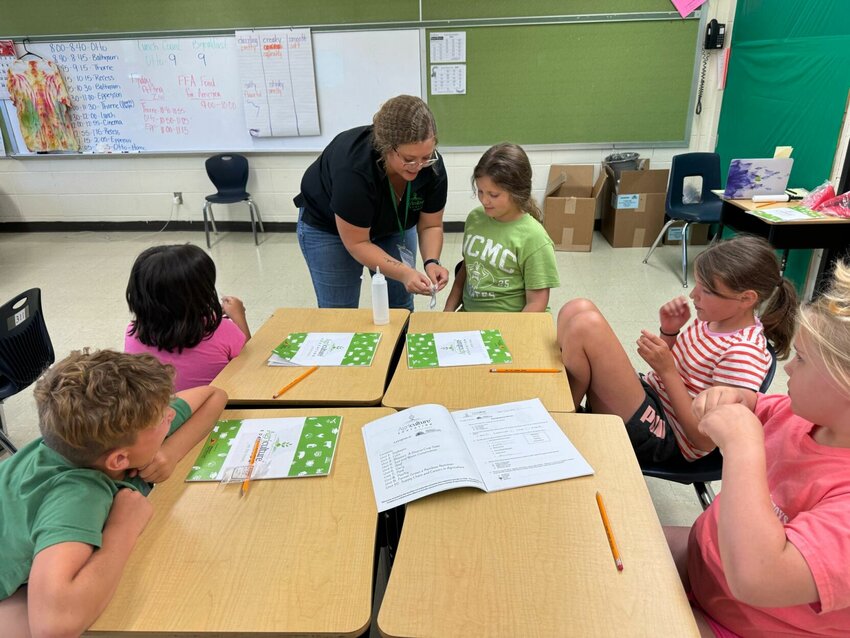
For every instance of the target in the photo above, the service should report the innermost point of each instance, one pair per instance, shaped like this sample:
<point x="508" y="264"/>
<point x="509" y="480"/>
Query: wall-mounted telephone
<point x="715" y="36"/>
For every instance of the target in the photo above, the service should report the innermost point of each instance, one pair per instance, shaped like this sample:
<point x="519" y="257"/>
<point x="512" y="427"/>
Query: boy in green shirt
<point x="72" y="503"/>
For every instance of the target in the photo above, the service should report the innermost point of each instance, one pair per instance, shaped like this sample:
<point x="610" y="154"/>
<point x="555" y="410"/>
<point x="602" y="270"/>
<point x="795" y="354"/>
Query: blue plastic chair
<point x="229" y="174"/>
<point x="707" y="211"/>
<point x="709" y="468"/>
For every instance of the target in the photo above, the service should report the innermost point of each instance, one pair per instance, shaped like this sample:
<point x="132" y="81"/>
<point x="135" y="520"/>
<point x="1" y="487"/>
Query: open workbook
<point x="427" y="449"/>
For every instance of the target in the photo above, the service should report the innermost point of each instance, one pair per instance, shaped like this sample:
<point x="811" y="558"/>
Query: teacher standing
<point x="373" y="194"/>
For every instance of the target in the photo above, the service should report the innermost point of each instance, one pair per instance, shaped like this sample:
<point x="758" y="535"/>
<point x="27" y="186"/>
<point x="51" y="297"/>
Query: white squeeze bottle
<point x="380" y="299"/>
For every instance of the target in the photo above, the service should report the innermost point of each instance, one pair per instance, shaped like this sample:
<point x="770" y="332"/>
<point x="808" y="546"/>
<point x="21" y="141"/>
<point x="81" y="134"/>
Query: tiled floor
<point x="83" y="277"/>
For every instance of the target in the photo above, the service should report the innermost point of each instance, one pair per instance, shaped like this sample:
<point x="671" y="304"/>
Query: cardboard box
<point x="571" y="206"/>
<point x="633" y="215"/>
<point x="697" y="233"/>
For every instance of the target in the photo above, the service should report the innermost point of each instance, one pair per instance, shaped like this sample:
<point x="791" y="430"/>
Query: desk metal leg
<point x="783" y="262"/>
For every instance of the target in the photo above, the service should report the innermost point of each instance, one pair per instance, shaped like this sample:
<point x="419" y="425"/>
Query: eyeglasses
<point x="412" y="166"/>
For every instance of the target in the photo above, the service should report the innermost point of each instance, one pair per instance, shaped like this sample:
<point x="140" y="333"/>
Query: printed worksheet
<point x="326" y="349"/>
<point x="446" y="349"/>
<point x="427" y="449"/>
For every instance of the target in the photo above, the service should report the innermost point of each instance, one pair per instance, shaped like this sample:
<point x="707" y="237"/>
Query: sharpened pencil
<point x="526" y="369"/>
<point x="247" y="482"/>
<point x="295" y="381"/>
<point x="611" y="542"/>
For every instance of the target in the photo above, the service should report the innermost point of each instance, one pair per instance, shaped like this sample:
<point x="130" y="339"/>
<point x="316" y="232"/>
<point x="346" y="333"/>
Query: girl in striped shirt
<point x="725" y="345"/>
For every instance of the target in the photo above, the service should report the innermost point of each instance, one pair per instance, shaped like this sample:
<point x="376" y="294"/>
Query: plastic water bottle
<point x="380" y="299"/>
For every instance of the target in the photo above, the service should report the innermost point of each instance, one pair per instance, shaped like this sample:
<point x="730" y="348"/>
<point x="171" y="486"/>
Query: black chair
<point x="709" y="468"/>
<point x="25" y="349"/>
<point x="706" y="211"/>
<point x="229" y="174"/>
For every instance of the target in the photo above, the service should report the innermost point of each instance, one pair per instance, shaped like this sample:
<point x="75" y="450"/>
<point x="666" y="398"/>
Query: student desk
<point x="293" y="557"/>
<point x="831" y="233"/>
<point x="535" y="561"/>
<point x="248" y="380"/>
<point x="530" y="337"/>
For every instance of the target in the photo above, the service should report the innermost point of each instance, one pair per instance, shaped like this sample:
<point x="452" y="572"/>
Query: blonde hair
<point x="826" y="321"/>
<point x="404" y="119"/>
<point x="747" y="262"/>
<point x="92" y="402"/>
<point x="508" y="166"/>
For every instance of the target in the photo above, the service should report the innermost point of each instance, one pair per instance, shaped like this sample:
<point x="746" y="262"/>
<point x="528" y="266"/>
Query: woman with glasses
<point x="372" y="196"/>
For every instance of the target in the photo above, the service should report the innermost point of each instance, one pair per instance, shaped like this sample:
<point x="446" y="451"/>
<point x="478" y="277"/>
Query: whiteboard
<point x="183" y="94"/>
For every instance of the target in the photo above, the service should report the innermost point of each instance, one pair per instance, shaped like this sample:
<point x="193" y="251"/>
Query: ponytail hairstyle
<point x="746" y="262"/>
<point x="508" y="166"/>
<point x="827" y="322"/>
<point x="172" y="295"/>
<point x="404" y="119"/>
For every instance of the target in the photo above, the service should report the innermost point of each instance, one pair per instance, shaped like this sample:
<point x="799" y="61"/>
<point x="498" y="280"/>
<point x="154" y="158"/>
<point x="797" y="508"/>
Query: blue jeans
<point x="336" y="274"/>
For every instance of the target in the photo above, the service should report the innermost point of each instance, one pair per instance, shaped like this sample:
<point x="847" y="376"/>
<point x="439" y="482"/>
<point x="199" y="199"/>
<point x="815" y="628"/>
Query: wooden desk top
<point x="530" y="336"/>
<point x="535" y="561"/>
<point x="293" y="557"/>
<point x="248" y="380"/>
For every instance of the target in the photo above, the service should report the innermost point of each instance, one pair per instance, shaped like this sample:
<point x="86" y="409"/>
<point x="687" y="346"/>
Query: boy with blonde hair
<point x="72" y="502"/>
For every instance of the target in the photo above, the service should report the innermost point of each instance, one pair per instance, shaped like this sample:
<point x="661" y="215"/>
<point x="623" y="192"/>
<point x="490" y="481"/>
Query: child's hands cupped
<point x="732" y="425"/>
<point x="674" y="314"/>
<point x="655" y="352"/>
<point x="714" y="397"/>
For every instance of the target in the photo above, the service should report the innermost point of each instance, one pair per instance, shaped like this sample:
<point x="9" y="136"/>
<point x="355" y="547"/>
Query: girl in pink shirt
<point x="178" y="316"/>
<point x="725" y="345"/>
<point x="770" y="556"/>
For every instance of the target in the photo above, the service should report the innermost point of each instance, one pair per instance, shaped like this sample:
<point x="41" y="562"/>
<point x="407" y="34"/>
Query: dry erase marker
<point x="611" y="542"/>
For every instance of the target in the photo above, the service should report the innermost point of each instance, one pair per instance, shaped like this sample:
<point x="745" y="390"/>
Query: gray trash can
<point x="620" y="162"/>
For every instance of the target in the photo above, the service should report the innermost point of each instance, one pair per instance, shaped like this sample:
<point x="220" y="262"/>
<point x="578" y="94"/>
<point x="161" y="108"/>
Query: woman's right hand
<point x="417" y="283"/>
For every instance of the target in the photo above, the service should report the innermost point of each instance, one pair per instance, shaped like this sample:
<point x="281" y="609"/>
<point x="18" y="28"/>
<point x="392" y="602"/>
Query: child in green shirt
<point x="508" y="258"/>
<point x="72" y="503"/>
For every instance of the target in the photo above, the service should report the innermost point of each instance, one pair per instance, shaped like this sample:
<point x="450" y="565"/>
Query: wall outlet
<point x="177" y="198"/>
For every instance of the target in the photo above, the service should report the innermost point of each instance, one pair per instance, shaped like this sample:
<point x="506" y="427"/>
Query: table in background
<point x="248" y="380"/>
<point x="831" y="233"/>
<point x="294" y="556"/>
<point x="535" y="561"/>
<point x="530" y="338"/>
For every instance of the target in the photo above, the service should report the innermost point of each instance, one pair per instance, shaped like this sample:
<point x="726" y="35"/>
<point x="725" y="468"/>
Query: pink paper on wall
<point x="686" y="7"/>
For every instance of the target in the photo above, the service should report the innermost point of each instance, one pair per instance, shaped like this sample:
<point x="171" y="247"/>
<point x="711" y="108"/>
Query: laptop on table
<point x="749" y="177"/>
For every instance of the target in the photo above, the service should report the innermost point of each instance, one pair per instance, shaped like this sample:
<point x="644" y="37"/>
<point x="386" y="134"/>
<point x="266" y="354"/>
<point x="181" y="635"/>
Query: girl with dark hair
<point x="178" y="317"/>
<point x="508" y="258"/>
<point x="726" y="345"/>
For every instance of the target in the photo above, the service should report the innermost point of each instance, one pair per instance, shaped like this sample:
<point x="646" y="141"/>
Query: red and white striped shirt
<point x="704" y="359"/>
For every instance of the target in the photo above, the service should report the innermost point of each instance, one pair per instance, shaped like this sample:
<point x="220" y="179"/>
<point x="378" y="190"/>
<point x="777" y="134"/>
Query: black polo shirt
<point x="348" y="180"/>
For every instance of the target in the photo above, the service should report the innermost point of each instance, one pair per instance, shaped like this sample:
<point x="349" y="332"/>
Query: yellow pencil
<point x="526" y="369"/>
<point x="247" y="482"/>
<point x="616" y="553"/>
<point x="295" y="381"/>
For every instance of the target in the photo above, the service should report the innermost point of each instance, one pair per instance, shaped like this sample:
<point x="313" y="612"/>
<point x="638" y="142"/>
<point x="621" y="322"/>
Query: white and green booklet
<point x="289" y="447"/>
<point x="444" y="349"/>
<point x="427" y="449"/>
<point x="787" y="214"/>
<point x="326" y="349"/>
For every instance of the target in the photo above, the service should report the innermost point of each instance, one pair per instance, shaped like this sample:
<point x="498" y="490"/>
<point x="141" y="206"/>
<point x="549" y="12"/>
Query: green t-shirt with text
<point x="503" y="260"/>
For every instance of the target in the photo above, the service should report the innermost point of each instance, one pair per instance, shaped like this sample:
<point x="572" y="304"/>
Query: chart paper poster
<point x="278" y="83"/>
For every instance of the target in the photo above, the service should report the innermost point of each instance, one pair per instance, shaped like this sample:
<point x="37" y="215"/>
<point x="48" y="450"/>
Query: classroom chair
<point x="229" y="174"/>
<point x="709" y="468"/>
<point x="706" y="211"/>
<point x="25" y="348"/>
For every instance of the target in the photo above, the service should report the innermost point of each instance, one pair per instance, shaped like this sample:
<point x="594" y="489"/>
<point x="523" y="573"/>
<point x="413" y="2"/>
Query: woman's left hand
<point x="656" y="353"/>
<point x="438" y="275"/>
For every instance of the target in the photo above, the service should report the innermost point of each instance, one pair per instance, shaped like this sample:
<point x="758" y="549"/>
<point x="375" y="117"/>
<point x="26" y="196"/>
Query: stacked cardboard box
<point x="633" y="215"/>
<point x="572" y="203"/>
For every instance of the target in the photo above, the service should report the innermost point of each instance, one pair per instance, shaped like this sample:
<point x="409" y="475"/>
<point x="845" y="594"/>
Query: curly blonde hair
<point x="826" y="321"/>
<point x="404" y="119"/>
<point x="92" y="402"/>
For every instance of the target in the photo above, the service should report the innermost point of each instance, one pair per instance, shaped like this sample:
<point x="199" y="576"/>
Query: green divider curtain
<point x="787" y="85"/>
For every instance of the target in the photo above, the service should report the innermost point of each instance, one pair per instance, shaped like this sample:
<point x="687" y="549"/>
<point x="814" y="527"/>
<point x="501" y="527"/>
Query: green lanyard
<point x="395" y="206"/>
